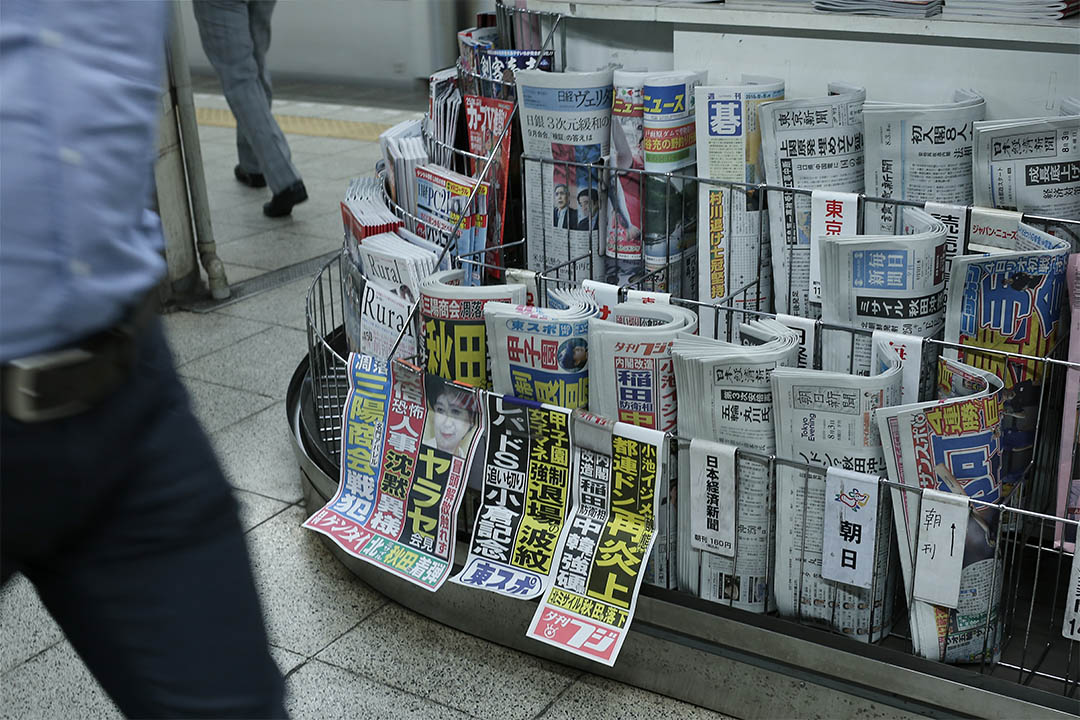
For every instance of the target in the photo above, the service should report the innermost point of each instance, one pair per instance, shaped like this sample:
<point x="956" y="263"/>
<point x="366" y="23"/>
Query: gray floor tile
<point x="308" y="597"/>
<point x="277" y="248"/>
<point x="255" y="508"/>
<point x="192" y="335"/>
<point x="55" y="684"/>
<point x="214" y="134"/>
<point x="261" y="364"/>
<point x="323" y="691"/>
<point x="26" y="628"/>
<point x="226" y="232"/>
<point x="251" y="214"/>
<point x="286" y="660"/>
<point x="324" y="225"/>
<point x="601" y="699"/>
<point x="283" y="305"/>
<point x="218" y="406"/>
<point x="236" y="273"/>
<point x="256" y="455"/>
<point x="316" y="146"/>
<point x="400" y="648"/>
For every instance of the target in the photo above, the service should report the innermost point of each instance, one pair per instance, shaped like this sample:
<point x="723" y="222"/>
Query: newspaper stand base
<point x="746" y="665"/>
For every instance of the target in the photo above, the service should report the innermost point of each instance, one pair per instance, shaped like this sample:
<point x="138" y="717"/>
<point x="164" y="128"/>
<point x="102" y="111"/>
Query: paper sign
<point x="831" y="214"/>
<point x="647" y="297"/>
<point x="851" y="503"/>
<point x="939" y="553"/>
<point x="604" y="295"/>
<point x="526" y="278"/>
<point x="807" y="329"/>
<point x="990" y="228"/>
<point x="1071" y="627"/>
<point x="712" y="497"/>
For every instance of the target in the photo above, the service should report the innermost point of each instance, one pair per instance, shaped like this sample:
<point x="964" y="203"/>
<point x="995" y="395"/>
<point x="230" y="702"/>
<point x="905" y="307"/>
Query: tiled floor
<point x="339" y="641"/>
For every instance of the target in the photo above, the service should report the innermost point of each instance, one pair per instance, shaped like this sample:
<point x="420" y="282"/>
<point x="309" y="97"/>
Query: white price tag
<point x="939" y="556"/>
<point x="831" y="213"/>
<point x="1071" y="626"/>
<point x="604" y="295"/>
<point x="648" y="297"/>
<point x="712" y="497"/>
<point x="851" y="503"/>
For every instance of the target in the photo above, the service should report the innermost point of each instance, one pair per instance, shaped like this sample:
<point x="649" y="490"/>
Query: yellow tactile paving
<point x="299" y="125"/>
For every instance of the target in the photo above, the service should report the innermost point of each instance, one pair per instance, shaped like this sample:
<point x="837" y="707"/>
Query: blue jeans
<point x="123" y="521"/>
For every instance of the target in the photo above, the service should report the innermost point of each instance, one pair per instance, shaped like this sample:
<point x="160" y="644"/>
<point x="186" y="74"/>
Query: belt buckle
<point x="24" y="393"/>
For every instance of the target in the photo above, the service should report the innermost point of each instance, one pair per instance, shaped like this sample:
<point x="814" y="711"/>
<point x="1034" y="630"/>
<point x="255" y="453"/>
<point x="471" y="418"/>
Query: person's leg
<point x="139" y="554"/>
<point x="225" y="31"/>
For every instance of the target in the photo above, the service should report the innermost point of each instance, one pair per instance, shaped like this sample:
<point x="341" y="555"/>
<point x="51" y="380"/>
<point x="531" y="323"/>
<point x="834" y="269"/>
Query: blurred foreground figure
<point x="235" y="35"/>
<point x="111" y="500"/>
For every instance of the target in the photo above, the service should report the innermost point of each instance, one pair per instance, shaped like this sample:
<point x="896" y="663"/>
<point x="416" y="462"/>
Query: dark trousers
<point x="123" y="521"/>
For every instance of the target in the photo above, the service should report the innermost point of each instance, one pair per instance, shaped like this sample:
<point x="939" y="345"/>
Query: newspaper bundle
<point x="633" y="378"/>
<point x="670" y="204"/>
<point x="826" y="419"/>
<point x="565" y="125"/>
<point x="625" y="249"/>
<point x="814" y="144"/>
<point x="541" y="354"/>
<point x="453" y="337"/>
<point x="524" y="501"/>
<point x="952" y="445"/>
<point x="403" y="150"/>
<point x="733" y="228"/>
<point x="1068" y="490"/>
<point x="364" y="213"/>
<point x="1009" y="301"/>
<point x="485" y="121"/>
<point x="600" y="558"/>
<point x="918" y="152"/>
<point x="882" y="282"/>
<point x="727" y="397"/>
<point x="407" y="442"/>
<point x="446" y="200"/>
<point x="1029" y="165"/>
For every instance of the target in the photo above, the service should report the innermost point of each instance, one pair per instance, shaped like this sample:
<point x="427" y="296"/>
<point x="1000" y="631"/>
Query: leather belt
<point x="71" y="380"/>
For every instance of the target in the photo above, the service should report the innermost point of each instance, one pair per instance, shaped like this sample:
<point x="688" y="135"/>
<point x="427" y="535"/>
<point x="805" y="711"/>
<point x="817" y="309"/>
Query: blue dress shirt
<point x="79" y="102"/>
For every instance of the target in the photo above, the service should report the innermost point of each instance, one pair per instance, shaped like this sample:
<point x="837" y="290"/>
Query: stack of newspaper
<point x="403" y="150"/>
<point x="444" y="104"/>
<point x="453" y="335"/>
<point x="541" y="354"/>
<point x="565" y="127"/>
<point x="1013" y="11"/>
<point x="625" y="251"/>
<point x="446" y="200"/>
<point x="733" y="230"/>
<point x="727" y="396"/>
<point x="896" y="8"/>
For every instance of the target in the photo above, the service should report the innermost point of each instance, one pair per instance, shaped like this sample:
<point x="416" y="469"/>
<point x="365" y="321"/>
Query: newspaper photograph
<point x="625" y="251"/>
<point x="919" y="152"/>
<point x="525" y="498"/>
<point x="670" y="213"/>
<point x="1010" y="300"/>
<point x="565" y="118"/>
<point x="1029" y="165"/>
<point x="540" y="354"/>
<point x="453" y="339"/>
<point x="408" y="440"/>
<point x="882" y="282"/>
<point x="733" y="249"/>
<point x="814" y="144"/>
<point x="952" y="445"/>
<point x="826" y="419"/>
<point x="601" y="555"/>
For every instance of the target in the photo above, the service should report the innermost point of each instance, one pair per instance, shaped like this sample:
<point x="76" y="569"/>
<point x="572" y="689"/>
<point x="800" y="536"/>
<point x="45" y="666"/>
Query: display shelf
<point x="1065" y="34"/>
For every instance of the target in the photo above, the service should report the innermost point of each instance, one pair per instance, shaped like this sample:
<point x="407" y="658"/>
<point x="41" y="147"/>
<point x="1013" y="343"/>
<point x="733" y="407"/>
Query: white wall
<point x="391" y="41"/>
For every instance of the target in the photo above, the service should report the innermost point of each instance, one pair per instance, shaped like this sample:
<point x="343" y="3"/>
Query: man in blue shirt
<point x="111" y="500"/>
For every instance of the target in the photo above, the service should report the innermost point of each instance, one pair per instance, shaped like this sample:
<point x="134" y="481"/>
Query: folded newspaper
<point x="625" y="241"/>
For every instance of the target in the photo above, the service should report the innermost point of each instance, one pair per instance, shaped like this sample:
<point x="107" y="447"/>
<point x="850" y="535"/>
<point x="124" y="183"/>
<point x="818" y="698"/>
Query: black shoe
<point x="255" y="180"/>
<point x="282" y="203"/>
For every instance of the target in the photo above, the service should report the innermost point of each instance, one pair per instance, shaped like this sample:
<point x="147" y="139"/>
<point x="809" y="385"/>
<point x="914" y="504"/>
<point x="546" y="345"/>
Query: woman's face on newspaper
<point x="451" y="422"/>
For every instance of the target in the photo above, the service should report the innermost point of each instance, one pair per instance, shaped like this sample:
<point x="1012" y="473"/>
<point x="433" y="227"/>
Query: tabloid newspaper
<point x="565" y="118"/>
<point x="485" y="119"/>
<point x="952" y="445"/>
<point x="443" y="202"/>
<point x="601" y="555"/>
<point x="541" y="354"/>
<point x="1029" y="165"/>
<point x="1068" y="490"/>
<point x="827" y="419"/>
<point x="918" y="152"/>
<point x="670" y="205"/>
<point x="625" y="249"/>
<point x="1009" y="300"/>
<point x="733" y="225"/>
<point x="727" y="397"/>
<point x="407" y="442"/>
<point x="810" y="144"/>
<point x="525" y="498"/>
<point x="882" y="282"/>
<point x="453" y="340"/>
